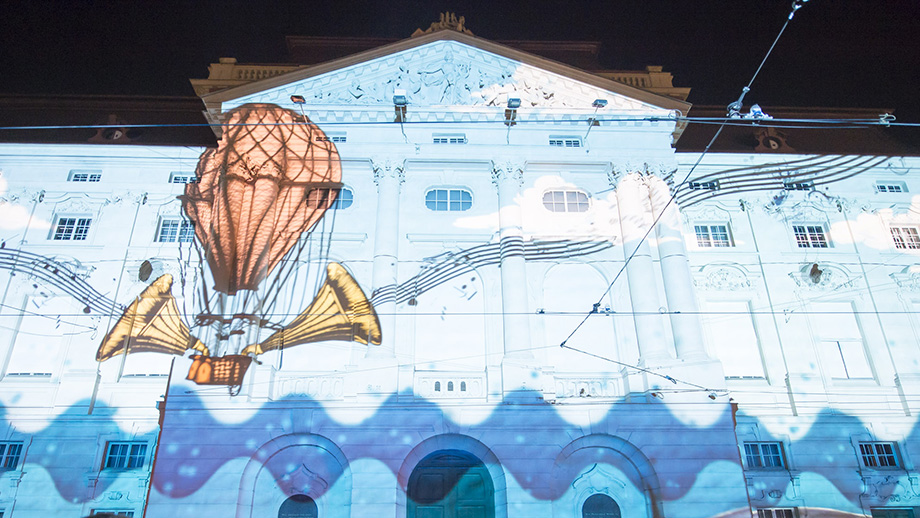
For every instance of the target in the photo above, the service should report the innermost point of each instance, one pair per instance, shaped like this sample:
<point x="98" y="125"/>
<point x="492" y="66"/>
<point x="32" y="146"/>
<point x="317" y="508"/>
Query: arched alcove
<point x="454" y="443"/>
<point x="295" y="465"/>
<point x="610" y="466"/>
<point x="450" y="484"/>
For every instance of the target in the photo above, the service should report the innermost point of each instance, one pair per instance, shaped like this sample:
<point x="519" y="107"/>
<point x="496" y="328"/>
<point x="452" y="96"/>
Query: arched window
<point x="600" y="506"/>
<point x="566" y="201"/>
<point x="450" y="484"/>
<point x="298" y="506"/>
<point x="437" y="386"/>
<point x="450" y="386"/>
<point x="462" y="386"/>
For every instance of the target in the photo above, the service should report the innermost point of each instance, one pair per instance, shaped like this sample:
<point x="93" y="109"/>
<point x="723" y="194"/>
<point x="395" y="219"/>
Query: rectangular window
<point x="125" y="455"/>
<point x="878" y="454"/>
<point x="763" y="455"/>
<point x="890" y="187"/>
<point x="776" y="512"/>
<point x="733" y="339"/>
<point x="892" y="512"/>
<point x="176" y="230"/>
<point x="10" y="452"/>
<point x="841" y="345"/>
<point x="112" y="512"/>
<point x="453" y="138"/>
<point x="712" y="185"/>
<point x="713" y="236"/>
<point x="77" y="175"/>
<point x="71" y="228"/>
<point x="810" y="236"/>
<point x="798" y="186"/>
<point x="562" y="141"/>
<point x="905" y="238"/>
<point x="337" y="138"/>
<point x="183" y="178"/>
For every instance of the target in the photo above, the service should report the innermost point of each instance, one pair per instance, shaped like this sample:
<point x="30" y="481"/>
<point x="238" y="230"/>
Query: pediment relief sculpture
<point x="443" y="73"/>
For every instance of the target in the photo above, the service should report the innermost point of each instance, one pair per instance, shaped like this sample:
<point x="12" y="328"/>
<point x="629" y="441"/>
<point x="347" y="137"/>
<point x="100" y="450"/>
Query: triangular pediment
<point x="446" y="69"/>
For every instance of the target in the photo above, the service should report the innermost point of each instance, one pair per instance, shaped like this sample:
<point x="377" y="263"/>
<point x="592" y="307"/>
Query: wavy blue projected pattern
<point x="218" y="443"/>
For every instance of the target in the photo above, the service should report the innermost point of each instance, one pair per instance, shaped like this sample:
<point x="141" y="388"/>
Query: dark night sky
<point x="860" y="53"/>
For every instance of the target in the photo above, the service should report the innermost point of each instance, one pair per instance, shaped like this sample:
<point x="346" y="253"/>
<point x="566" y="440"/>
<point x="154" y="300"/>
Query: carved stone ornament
<point x="908" y="279"/>
<point x="443" y="73"/>
<point x="508" y="171"/>
<point x="822" y="277"/>
<point x="723" y="277"/>
<point x="388" y="168"/>
<point x="301" y="480"/>
<point x="448" y="21"/>
<point x="664" y="169"/>
<point x="889" y="488"/>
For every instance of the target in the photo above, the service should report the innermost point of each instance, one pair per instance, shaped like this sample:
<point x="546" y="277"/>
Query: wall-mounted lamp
<point x="511" y="111"/>
<point x="298" y="99"/>
<point x="592" y="121"/>
<point x="400" y="101"/>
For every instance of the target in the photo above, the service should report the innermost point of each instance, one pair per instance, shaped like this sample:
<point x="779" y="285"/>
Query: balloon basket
<point x="220" y="370"/>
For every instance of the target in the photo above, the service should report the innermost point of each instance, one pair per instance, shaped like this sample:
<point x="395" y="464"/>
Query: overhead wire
<point x="733" y="109"/>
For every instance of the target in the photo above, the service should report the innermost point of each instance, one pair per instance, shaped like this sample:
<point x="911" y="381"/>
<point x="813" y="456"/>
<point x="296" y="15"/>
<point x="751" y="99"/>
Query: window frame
<point x="696" y="185"/>
<point x="905" y="237"/>
<point x="184" y="232"/>
<point x="125" y="464"/>
<point x="186" y="178"/>
<point x="806" y="238"/>
<point x="891" y="456"/>
<point x="761" y="457"/>
<point x="565" y="202"/>
<point x="84" y="176"/>
<point x="336" y="137"/>
<point x="729" y="237"/>
<point x="884" y="187"/>
<point x="449" y="138"/>
<point x="777" y="512"/>
<point x="565" y="141"/>
<point x="5" y="456"/>
<point x="76" y="226"/>
<point x="448" y="201"/>
<point x="129" y="513"/>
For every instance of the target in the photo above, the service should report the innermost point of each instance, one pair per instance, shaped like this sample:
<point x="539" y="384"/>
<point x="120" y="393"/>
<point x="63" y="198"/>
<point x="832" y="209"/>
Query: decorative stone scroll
<point x="723" y="277"/>
<point x="822" y="277"/>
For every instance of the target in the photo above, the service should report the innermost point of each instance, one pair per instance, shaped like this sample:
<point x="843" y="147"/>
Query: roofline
<point x="527" y="58"/>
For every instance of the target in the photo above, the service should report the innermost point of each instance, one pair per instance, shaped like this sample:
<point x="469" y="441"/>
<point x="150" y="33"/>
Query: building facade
<point x="446" y="277"/>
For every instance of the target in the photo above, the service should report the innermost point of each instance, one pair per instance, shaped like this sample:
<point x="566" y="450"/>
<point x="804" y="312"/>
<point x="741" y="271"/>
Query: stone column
<point x="388" y="176"/>
<point x="515" y="308"/>
<point x="675" y="273"/>
<point x="635" y="218"/>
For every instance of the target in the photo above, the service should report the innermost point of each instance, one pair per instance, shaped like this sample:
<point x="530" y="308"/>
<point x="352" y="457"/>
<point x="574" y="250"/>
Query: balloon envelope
<point x="271" y="178"/>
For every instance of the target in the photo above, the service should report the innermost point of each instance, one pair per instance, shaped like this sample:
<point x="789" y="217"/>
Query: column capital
<point x="507" y="171"/>
<point x="388" y="167"/>
<point x="663" y="169"/>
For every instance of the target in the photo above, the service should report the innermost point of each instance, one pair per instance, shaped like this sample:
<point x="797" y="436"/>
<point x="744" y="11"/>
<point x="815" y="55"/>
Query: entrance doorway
<point x="450" y="484"/>
<point x="298" y="506"/>
<point x="600" y="506"/>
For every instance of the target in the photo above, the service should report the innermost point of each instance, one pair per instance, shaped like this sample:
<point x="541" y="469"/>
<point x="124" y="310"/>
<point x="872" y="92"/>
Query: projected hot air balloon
<point x="272" y="178"/>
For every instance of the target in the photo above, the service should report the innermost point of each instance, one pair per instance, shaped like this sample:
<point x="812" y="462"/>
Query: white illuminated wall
<point x="759" y="349"/>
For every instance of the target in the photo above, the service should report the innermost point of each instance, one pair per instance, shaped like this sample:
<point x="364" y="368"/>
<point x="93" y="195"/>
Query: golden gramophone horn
<point x="340" y="311"/>
<point x="150" y="324"/>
